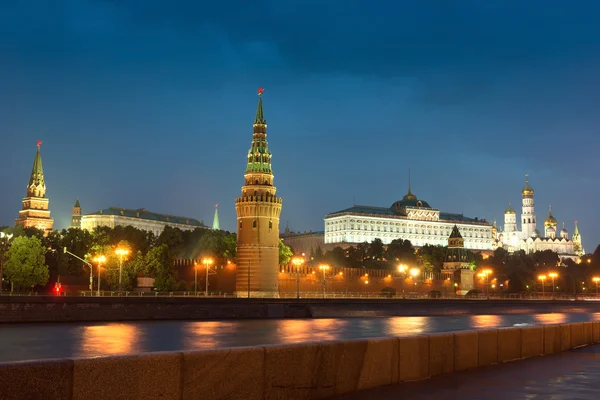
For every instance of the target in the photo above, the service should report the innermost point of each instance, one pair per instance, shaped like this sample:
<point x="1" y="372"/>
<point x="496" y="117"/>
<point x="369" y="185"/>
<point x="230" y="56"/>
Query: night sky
<point x="148" y="103"/>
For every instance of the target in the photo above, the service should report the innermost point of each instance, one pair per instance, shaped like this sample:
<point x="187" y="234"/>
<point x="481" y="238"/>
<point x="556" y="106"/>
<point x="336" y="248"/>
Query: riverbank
<point x="301" y="371"/>
<point x="20" y="309"/>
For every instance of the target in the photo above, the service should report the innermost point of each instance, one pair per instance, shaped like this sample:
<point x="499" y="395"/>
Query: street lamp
<point x="485" y="273"/>
<point x="552" y="275"/>
<point x="596" y="280"/>
<point x="121" y="253"/>
<point x="324" y="268"/>
<point x="100" y="260"/>
<point x="207" y="262"/>
<point x="366" y="285"/>
<point x="542" y="278"/>
<point x="4" y="239"/>
<point x="195" y="279"/>
<point x="297" y="261"/>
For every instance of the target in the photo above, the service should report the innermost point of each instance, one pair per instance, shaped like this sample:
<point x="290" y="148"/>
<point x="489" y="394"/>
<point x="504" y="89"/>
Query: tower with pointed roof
<point x="528" y="224"/>
<point x="258" y="210"/>
<point x="577" y="245"/>
<point x="457" y="262"/>
<point x="215" y="225"/>
<point x="35" y="212"/>
<point x="76" y="215"/>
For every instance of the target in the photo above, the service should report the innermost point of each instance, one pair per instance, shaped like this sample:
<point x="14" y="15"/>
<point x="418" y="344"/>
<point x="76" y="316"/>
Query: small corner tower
<point x="258" y="210"/>
<point x="35" y="212"/>
<point x="528" y="211"/>
<point x="577" y="246"/>
<point x="216" y="218"/>
<point x="458" y="259"/>
<point x="76" y="215"/>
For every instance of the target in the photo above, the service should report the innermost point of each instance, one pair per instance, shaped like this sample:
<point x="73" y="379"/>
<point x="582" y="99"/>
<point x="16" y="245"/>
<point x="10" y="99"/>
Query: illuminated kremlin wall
<point x="351" y="281"/>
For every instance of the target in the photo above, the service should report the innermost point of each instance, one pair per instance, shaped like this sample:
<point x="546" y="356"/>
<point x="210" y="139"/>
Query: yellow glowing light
<point x="100" y="259"/>
<point x="552" y="274"/>
<point x="297" y="261"/>
<point x="207" y="261"/>
<point x="596" y="279"/>
<point x="542" y="278"/>
<point x="121" y="252"/>
<point x="402" y="268"/>
<point x="324" y="267"/>
<point x="341" y="273"/>
<point x="415" y="271"/>
<point x="366" y="282"/>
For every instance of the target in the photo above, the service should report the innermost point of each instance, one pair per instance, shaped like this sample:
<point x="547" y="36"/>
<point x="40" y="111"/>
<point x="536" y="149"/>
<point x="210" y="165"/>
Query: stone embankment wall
<point x="302" y="371"/>
<point x="15" y="309"/>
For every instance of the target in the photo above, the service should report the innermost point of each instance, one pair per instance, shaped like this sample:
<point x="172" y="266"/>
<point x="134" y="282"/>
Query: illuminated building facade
<point x="35" y="212"/>
<point x="529" y="238"/>
<point x="140" y="219"/>
<point x="408" y="219"/>
<point x="258" y="211"/>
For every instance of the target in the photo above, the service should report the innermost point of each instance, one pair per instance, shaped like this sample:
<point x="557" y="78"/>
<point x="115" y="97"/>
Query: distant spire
<point x="260" y="115"/>
<point x="77" y="203"/>
<point x="215" y="225"/>
<point x="576" y="230"/>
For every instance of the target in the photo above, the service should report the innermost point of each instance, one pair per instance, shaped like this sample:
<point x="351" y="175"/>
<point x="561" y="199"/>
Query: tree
<point x="336" y="257"/>
<point x="25" y="264"/>
<point x="160" y="266"/>
<point x="401" y="251"/>
<point x="285" y="253"/>
<point x="376" y="249"/>
<point x="431" y="257"/>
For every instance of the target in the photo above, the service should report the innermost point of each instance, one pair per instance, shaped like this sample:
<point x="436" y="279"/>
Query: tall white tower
<point x="528" y="215"/>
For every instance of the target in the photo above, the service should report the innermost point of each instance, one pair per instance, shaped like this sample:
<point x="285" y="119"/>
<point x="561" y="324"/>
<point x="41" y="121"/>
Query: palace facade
<point x="141" y="219"/>
<point x="408" y="219"/>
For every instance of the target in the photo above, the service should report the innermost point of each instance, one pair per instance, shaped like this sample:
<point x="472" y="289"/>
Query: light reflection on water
<point x="38" y="341"/>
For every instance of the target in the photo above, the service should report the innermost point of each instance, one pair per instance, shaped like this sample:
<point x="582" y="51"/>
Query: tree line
<point x="520" y="269"/>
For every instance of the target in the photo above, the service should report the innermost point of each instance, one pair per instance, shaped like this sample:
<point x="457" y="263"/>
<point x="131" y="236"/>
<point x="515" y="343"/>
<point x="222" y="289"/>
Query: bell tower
<point x="35" y="212"/>
<point x="258" y="211"/>
<point x="76" y="215"/>
<point x="528" y="222"/>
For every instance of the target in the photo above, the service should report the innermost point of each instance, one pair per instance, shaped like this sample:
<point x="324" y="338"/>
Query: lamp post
<point x="542" y="278"/>
<point x="324" y="268"/>
<point x="596" y="280"/>
<point x="195" y="279"/>
<point x="414" y="273"/>
<point x="552" y="275"/>
<point x="366" y="285"/>
<point x="297" y="261"/>
<point x="248" y="279"/>
<point x="207" y="263"/>
<point x="4" y="239"/>
<point x="121" y="253"/>
<point x="485" y="274"/>
<point x="402" y="269"/>
<point x="86" y="263"/>
<point x="100" y="260"/>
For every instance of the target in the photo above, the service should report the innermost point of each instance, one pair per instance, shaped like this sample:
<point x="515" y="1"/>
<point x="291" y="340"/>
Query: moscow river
<point x="39" y="341"/>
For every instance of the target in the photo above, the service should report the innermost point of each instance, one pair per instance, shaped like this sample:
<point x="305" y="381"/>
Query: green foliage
<point x="285" y="253"/>
<point x="376" y="249"/>
<point x="159" y="264"/>
<point x="25" y="264"/>
<point x="431" y="258"/>
<point x="335" y="257"/>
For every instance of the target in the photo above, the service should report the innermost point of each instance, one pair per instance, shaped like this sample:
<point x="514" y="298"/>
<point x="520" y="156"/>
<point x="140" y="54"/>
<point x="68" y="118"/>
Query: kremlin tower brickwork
<point x="258" y="211"/>
<point x="35" y="212"/>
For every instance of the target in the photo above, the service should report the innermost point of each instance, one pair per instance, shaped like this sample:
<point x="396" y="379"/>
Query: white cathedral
<point x="529" y="238"/>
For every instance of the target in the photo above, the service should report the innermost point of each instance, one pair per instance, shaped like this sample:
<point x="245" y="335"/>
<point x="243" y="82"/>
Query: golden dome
<point x="509" y="210"/>
<point x="550" y="220"/>
<point x="527" y="190"/>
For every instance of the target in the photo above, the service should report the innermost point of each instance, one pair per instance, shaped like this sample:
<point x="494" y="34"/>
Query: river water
<point x="40" y="341"/>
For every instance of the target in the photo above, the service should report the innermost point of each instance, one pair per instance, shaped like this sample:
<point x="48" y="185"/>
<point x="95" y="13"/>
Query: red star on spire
<point x="39" y="143"/>
<point x="260" y="91"/>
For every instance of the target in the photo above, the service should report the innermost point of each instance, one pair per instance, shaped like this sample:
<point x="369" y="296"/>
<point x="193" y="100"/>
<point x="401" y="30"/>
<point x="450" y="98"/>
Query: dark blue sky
<point x="147" y="103"/>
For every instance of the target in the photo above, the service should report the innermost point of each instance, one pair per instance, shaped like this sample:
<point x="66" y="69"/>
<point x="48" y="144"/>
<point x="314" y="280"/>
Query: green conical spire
<point x="37" y="172"/>
<point x="216" y="218"/>
<point x="77" y="203"/>
<point x="260" y="115"/>
<point x="576" y="231"/>
<point x="455" y="233"/>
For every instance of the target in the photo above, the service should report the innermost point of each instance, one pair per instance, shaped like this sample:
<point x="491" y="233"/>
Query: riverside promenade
<point x="571" y="375"/>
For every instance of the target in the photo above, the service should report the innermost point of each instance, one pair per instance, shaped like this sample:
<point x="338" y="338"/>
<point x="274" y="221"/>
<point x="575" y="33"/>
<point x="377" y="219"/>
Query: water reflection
<point x="39" y="341"/>
<point x="550" y="318"/>
<point x="109" y="339"/>
<point x="404" y="326"/>
<point x="486" y="321"/>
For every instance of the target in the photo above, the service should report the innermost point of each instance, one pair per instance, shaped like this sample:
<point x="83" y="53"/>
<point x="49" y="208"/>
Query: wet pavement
<point x="572" y="375"/>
